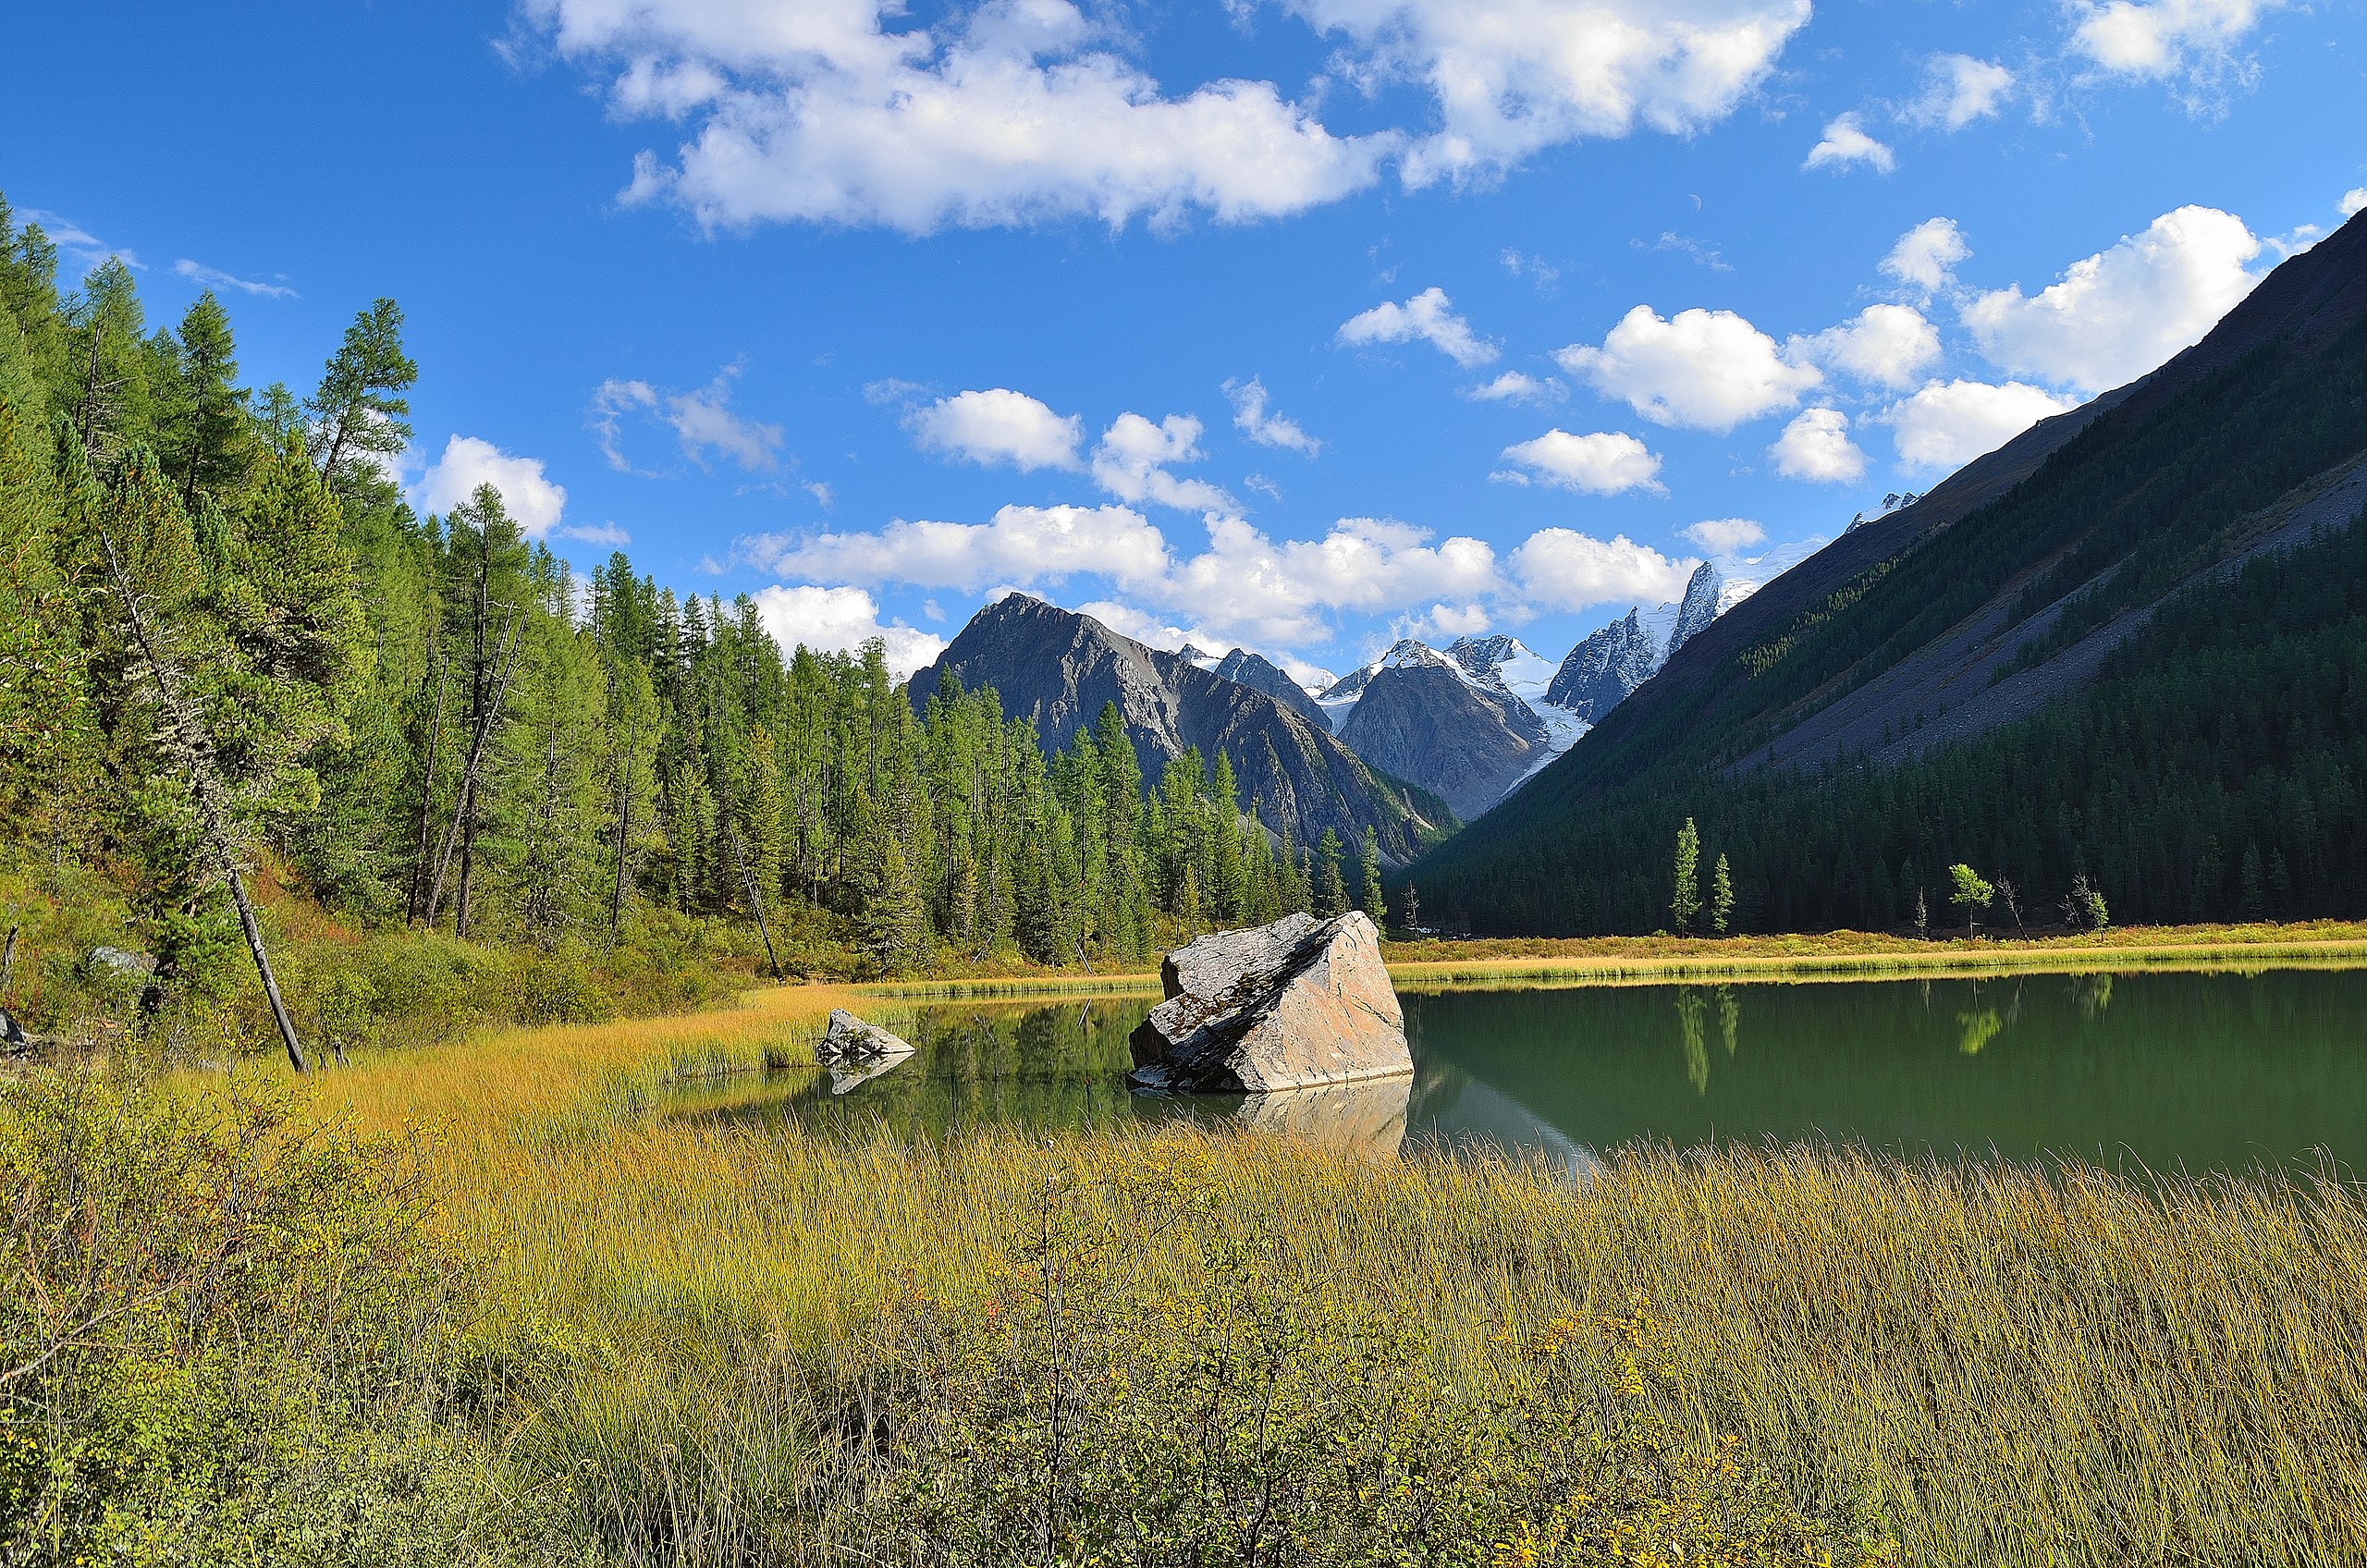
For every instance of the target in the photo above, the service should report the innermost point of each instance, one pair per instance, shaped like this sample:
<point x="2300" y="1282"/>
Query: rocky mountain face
<point x="1057" y="670"/>
<point x="1599" y="672"/>
<point x="1444" y="731"/>
<point x="1261" y="674"/>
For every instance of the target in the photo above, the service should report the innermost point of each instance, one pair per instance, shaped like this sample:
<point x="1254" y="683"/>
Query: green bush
<point x="225" y="1338"/>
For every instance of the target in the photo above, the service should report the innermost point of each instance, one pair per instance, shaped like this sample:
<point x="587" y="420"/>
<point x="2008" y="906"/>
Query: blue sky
<point x="1296" y="326"/>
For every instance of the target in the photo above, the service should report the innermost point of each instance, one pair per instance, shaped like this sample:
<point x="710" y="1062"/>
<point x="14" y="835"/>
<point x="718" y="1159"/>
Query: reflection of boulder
<point x="1367" y="1118"/>
<point x="845" y="1077"/>
<point x="849" y="1039"/>
<point x="1285" y="1005"/>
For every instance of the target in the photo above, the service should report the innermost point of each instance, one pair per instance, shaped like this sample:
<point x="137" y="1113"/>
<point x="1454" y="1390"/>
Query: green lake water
<point x="2203" y="1072"/>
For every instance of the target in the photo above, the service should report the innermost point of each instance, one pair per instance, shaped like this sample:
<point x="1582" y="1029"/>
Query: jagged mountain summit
<point x="1057" y="670"/>
<point x="1599" y="672"/>
<point x="1261" y="674"/>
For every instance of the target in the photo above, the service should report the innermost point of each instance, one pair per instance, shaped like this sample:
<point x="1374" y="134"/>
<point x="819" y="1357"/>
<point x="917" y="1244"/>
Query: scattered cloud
<point x="1569" y="570"/>
<point x="1707" y="369"/>
<point x="1021" y="111"/>
<point x="1845" y="142"/>
<point x="1724" y="535"/>
<point x="1022" y="545"/>
<point x="1947" y="424"/>
<point x="528" y="494"/>
<point x="1427" y="317"/>
<point x="2189" y="42"/>
<point x="701" y="422"/>
<point x="1252" y="416"/>
<point x="2354" y="203"/>
<point x="1134" y="456"/>
<point x="1602" y="463"/>
<point x="1518" y="387"/>
<point x="1959" y="90"/>
<point x="1816" y="447"/>
<point x="824" y="496"/>
<point x="606" y="534"/>
<point x="1888" y="345"/>
<point x="892" y="390"/>
<point x="2117" y="314"/>
<point x="841" y="621"/>
<point x="1926" y="256"/>
<point x="1672" y="240"/>
<point x="1534" y="268"/>
<point x="999" y="426"/>
<point x="88" y="250"/>
<point x="214" y="277"/>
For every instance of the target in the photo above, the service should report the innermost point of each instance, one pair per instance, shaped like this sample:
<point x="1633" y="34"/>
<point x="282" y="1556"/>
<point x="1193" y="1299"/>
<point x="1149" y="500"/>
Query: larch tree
<point x="1684" y="901"/>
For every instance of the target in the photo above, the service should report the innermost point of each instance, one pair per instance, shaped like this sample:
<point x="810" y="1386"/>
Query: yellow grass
<point x="2023" y="1367"/>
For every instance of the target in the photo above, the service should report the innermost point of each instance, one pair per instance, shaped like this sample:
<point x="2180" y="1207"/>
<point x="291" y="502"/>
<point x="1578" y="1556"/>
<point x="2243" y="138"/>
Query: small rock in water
<point x="1286" y="1006"/>
<point x="851" y="1039"/>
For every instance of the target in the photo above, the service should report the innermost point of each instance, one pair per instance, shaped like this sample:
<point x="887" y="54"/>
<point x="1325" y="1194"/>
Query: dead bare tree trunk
<point x="427" y="785"/>
<point x="464" y="808"/>
<point x="186" y="735"/>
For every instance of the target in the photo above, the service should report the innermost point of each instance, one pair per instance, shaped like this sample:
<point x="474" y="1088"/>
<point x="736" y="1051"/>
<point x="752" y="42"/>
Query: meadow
<point x="500" y="1307"/>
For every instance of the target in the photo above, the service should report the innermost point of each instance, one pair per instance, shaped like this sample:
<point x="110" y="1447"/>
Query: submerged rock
<point x="1286" y="1006"/>
<point x="851" y="1039"/>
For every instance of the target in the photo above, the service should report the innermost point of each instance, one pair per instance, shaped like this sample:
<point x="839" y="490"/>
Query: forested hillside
<point x="227" y="641"/>
<point x="2209" y="769"/>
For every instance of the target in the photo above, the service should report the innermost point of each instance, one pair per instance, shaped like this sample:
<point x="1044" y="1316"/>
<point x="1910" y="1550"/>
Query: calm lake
<point x="2200" y="1072"/>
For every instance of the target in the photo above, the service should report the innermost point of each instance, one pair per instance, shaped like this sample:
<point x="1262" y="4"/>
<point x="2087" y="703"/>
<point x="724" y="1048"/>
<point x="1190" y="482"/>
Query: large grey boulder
<point x="851" y="1039"/>
<point x="1286" y="1006"/>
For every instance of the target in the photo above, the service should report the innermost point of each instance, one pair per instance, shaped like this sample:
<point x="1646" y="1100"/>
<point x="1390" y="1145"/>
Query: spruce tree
<point x="1375" y="904"/>
<point x="1331" y="887"/>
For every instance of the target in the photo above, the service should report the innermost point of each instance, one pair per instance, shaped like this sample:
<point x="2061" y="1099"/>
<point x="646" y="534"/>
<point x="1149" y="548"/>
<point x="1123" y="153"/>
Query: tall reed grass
<point x="1985" y="1363"/>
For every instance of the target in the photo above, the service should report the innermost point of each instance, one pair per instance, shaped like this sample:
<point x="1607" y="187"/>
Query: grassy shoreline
<point x="1976" y="1363"/>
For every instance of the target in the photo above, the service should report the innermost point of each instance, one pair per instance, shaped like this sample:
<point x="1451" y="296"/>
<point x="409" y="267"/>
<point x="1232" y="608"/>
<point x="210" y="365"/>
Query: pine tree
<point x="1686" y="902"/>
<point x="1721" y="896"/>
<point x="1375" y="904"/>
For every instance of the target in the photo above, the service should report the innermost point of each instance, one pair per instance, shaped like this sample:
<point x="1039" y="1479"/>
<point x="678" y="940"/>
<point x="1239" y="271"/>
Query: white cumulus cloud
<point x="1724" y="535"/>
<point x="1847" y="143"/>
<point x="1947" y="424"/>
<point x="1513" y="77"/>
<point x="1890" y="344"/>
<point x="1274" y="591"/>
<point x="1518" y="387"/>
<point x="1427" y="317"/>
<point x="1253" y="417"/>
<point x="1602" y="463"/>
<point x="841" y="620"/>
<point x="1566" y="569"/>
<point x="533" y="500"/>
<point x="2119" y="313"/>
<point x="2353" y="201"/>
<point x="1816" y="447"/>
<point x="2162" y="40"/>
<point x="1134" y="456"/>
<point x="1013" y="111"/>
<point x="1926" y="256"/>
<point x="1022" y="545"/>
<point x="1709" y="370"/>
<point x="999" y="426"/>
<point x="1959" y="90"/>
